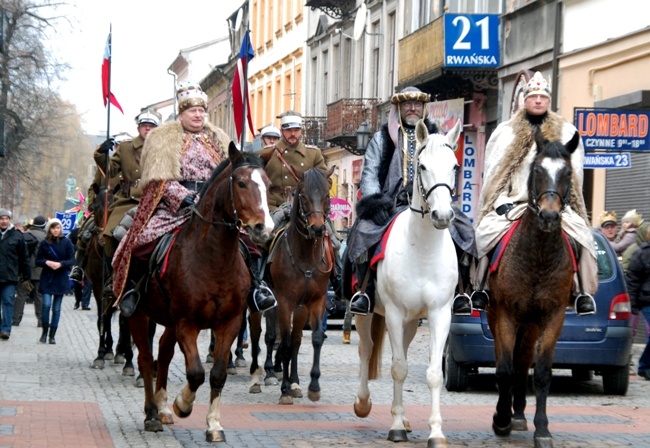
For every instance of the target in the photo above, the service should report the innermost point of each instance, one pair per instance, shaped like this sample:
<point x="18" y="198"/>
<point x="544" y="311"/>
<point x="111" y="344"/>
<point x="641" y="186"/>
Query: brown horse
<point x="299" y="272"/>
<point x="205" y="286"/>
<point x="97" y="270"/>
<point x="530" y="292"/>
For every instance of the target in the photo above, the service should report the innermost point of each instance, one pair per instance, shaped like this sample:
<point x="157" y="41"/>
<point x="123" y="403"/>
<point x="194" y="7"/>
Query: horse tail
<point x="377" y="334"/>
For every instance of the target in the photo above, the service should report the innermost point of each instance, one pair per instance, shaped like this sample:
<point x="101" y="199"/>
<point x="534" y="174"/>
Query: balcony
<point x="421" y="54"/>
<point x="336" y="9"/>
<point x="344" y="118"/>
<point x="314" y="132"/>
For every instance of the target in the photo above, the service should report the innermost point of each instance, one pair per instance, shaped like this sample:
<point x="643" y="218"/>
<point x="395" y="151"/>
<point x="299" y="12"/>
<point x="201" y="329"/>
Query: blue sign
<point x="608" y="160"/>
<point x="471" y="40"/>
<point x="67" y="221"/>
<point x="613" y="129"/>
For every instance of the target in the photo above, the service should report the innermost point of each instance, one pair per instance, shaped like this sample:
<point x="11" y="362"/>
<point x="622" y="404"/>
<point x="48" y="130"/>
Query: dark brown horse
<point x="97" y="270"/>
<point x="530" y="292"/>
<point x="205" y="286"/>
<point x="299" y="272"/>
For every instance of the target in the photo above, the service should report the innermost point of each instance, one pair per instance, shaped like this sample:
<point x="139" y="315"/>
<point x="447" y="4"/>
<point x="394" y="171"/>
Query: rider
<point x="386" y="183"/>
<point x="124" y="164"/>
<point x="269" y="135"/>
<point x="177" y="158"/>
<point x="504" y="195"/>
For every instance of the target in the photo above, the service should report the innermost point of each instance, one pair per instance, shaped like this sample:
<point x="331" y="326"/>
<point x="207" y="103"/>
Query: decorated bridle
<point x="424" y="194"/>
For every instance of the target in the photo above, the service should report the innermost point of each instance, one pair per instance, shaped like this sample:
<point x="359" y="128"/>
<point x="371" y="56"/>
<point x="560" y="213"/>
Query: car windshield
<point x="605" y="267"/>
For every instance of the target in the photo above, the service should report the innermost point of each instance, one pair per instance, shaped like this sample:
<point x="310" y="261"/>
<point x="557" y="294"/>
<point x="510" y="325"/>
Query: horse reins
<point x="425" y="194"/>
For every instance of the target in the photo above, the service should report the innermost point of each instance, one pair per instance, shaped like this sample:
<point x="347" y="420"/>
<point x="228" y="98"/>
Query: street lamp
<point x="363" y="135"/>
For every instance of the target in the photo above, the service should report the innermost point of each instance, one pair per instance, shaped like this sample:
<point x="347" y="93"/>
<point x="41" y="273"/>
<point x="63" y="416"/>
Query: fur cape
<point x="524" y="139"/>
<point x="161" y="154"/>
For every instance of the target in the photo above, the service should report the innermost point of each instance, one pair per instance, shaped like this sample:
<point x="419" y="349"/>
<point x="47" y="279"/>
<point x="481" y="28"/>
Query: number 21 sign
<point x="471" y="40"/>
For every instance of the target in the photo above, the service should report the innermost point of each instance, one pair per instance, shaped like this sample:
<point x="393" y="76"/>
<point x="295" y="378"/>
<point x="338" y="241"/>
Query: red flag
<point x="240" y="87"/>
<point x="106" y="76"/>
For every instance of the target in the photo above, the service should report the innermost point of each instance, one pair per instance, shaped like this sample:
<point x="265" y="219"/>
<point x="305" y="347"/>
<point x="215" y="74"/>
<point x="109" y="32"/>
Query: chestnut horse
<point x="97" y="270"/>
<point x="205" y="286"/>
<point x="299" y="272"/>
<point x="531" y="290"/>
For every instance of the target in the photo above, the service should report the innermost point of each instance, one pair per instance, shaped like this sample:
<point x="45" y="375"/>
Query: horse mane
<point x="248" y="159"/>
<point x="313" y="179"/>
<point x="554" y="150"/>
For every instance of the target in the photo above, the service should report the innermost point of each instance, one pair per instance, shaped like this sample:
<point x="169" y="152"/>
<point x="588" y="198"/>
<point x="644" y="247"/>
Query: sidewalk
<point x="50" y="397"/>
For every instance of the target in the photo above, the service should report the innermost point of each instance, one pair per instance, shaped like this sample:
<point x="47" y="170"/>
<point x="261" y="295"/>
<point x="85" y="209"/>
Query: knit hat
<point x="5" y="212"/>
<point x="633" y="217"/>
<point x="38" y="221"/>
<point x="537" y="86"/>
<point x="52" y="222"/>
<point x="607" y="218"/>
<point x="190" y="94"/>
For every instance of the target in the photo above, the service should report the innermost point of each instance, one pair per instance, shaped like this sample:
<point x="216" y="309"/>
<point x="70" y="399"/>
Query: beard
<point x="411" y="121"/>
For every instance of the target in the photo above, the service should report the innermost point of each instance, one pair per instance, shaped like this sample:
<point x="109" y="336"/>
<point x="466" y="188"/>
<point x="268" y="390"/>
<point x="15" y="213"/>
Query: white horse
<point x="415" y="280"/>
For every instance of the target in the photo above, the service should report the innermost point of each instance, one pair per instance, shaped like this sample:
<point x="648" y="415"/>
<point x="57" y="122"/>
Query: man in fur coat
<point x="504" y="195"/>
<point x="386" y="183"/>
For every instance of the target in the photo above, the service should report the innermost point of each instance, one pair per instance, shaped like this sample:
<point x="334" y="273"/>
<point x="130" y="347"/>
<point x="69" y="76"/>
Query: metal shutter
<point x="628" y="189"/>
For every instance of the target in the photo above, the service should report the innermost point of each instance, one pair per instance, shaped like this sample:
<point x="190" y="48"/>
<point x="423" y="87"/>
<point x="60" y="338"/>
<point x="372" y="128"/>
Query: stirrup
<point x="263" y="298"/>
<point x="130" y="301"/>
<point x="480" y="300"/>
<point x="462" y="305"/>
<point x="357" y="310"/>
<point x="76" y="274"/>
<point x="588" y="301"/>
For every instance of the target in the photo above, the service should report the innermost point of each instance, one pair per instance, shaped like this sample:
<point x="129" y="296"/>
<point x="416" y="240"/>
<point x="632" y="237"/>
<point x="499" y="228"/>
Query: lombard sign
<point x="471" y="40"/>
<point x="613" y="129"/>
<point x="467" y="188"/>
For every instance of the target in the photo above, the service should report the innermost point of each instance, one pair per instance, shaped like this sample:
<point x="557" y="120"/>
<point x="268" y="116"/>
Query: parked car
<point x="599" y="343"/>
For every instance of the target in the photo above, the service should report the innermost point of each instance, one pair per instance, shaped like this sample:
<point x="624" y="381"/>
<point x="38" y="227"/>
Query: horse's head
<point x="434" y="180"/>
<point x="103" y="198"/>
<point x="248" y="185"/>
<point x="311" y="205"/>
<point x="549" y="181"/>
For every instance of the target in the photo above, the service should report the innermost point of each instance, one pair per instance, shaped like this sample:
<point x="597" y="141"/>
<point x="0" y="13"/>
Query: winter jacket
<point x="638" y="277"/>
<point x="640" y="239"/>
<point x="14" y="261"/>
<point x="55" y="281"/>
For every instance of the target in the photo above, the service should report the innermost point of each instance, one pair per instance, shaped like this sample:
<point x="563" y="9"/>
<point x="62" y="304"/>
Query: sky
<point x="146" y="38"/>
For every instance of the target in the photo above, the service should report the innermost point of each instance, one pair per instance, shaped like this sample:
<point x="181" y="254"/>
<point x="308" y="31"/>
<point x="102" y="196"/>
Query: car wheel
<point x="456" y="376"/>
<point x="580" y="374"/>
<point x="616" y="380"/>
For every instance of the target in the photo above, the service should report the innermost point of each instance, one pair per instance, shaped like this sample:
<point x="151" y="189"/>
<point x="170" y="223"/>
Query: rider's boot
<point x="362" y="303"/>
<point x="479" y="299"/>
<point x="77" y="273"/>
<point x="462" y="305"/>
<point x="137" y="274"/>
<point x="260" y="297"/>
<point x="585" y="304"/>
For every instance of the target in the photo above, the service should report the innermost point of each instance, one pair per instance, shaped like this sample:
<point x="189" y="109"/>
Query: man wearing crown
<point x="504" y="195"/>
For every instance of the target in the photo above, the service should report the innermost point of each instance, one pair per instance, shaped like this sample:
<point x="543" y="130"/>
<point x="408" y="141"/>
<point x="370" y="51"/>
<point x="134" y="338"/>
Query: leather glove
<point x="188" y="201"/>
<point x="381" y="216"/>
<point x="105" y="147"/>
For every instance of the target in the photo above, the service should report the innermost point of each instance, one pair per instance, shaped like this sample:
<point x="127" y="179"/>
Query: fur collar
<point x="162" y="151"/>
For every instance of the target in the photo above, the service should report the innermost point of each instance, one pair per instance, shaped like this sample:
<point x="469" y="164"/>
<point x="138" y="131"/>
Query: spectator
<point x="14" y="268"/>
<point x="27" y="289"/>
<point x="641" y="233"/>
<point x="627" y="236"/>
<point x="55" y="255"/>
<point x="608" y="225"/>
<point x="638" y="285"/>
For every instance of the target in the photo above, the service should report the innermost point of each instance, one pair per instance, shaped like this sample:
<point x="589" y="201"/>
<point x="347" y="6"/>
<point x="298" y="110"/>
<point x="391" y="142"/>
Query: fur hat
<point x="633" y="217"/>
<point x="5" y="212"/>
<point x="190" y="94"/>
<point x="607" y="218"/>
<point x="410" y="94"/>
<point x="39" y="221"/>
<point x="148" y="116"/>
<point x="52" y="222"/>
<point x="537" y="86"/>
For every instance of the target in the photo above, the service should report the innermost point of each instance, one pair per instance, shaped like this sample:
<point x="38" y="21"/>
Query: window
<point x="325" y="62"/>
<point x="376" y="29"/>
<point x="337" y="72"/>
<point x="391" y="52"/>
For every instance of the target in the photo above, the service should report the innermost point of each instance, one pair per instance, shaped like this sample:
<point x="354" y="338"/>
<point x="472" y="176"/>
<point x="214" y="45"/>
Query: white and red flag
<point x="106" y="76"/>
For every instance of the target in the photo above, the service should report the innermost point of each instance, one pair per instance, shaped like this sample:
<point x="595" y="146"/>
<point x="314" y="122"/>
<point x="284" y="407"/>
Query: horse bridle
<point x="533" y="205"/>
<point x="303" y="215"/>
<point x="425" y="194"/>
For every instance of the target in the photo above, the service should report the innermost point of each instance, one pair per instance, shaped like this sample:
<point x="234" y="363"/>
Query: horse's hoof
<point x="240" y="362"/>
<point x="519" y="424"/>
<point x="502" y="431"/>
<point x="286" y="399"/>
<point x="255" y="389"/>
<point x="231" y="371"/>
<point x="313" y="396"/>
<point x="398" y="435"/>
<point x="215" y="436"/>
<point x="180" y="413"/>
<point x="272" y="381"/>
<point x="119" y="359"/>
<point x="98" y="364"/>
<point x="153" y="425"/>
<point x="362" y="410"/>
<point x="128" y="371"/>
<point x="437" y="442"/>
<point x="139" y="382"/>
<point x="166" y="418"/>
<point x="543" y="442"/>
<point x="296" y="393"/>
<point x="109" y="356"/>
<point x="407" y="425"/>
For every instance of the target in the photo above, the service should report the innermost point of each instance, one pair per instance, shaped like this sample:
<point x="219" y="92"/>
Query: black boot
<point x="462" y="305"/>
<point x="77" y="274"/>
<point x="43" y="338"/>
<point x="260" y="297"/>
<point x="52" y="333"/>
<point x="585" y="304"/>
<point x="362" y="302"/>
<point x="138" y="272"/>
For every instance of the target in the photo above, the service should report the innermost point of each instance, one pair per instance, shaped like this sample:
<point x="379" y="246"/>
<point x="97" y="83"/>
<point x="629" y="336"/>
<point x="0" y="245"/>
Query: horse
<point x="97" y="270"/>
<point x="416" y="279"/>
<point x="299" y="273"/>
<point x="205" y="286"/>
<point x="530" y="291"/>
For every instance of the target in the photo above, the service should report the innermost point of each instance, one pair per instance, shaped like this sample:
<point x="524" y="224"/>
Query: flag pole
<point x="244" y="122"/>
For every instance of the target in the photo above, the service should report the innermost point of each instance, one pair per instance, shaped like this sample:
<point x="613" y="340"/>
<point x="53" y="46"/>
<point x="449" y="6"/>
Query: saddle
<point x="160" y="255"/>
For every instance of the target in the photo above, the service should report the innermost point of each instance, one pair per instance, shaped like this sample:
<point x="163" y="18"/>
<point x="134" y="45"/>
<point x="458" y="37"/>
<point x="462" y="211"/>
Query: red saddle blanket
<point x="378" y="254"/>
<point x="503" y="243"/>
